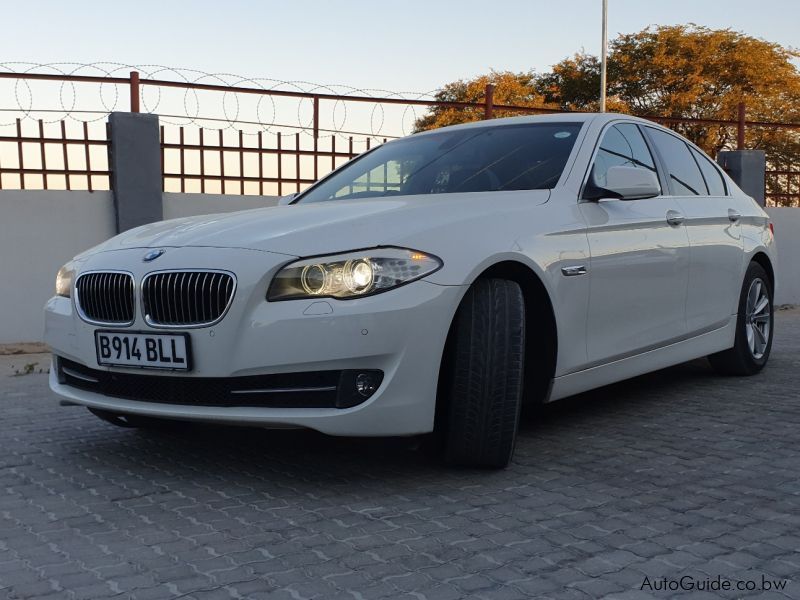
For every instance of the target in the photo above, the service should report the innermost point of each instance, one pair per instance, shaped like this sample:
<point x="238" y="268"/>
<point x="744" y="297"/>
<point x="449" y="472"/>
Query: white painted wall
<point x="787" y="236"/>
<point x="189" y="205"/>
<point x="41" y="230"/>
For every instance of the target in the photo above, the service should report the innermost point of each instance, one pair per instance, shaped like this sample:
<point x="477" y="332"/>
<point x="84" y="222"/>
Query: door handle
<point x="674" y="218"/>
<point x="734" y="216"/>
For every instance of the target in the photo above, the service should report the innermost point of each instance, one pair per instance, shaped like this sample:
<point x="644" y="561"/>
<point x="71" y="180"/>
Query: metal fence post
<point x="316" y="139"/>
<point x="316" y="117"/>
<point x="740" y="127"/>
<point x="134" y="91"/>
<point x="488" y="107"/>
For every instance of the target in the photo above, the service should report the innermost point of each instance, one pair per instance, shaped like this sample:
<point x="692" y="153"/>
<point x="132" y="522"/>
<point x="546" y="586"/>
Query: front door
<point x="639" y="260"/>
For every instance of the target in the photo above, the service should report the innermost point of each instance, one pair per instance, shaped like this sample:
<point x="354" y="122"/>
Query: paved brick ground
<point x="677" y="474"/>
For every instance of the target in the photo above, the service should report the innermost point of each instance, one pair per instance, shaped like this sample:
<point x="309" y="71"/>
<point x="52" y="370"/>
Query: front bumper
<point x="400" y="333"/>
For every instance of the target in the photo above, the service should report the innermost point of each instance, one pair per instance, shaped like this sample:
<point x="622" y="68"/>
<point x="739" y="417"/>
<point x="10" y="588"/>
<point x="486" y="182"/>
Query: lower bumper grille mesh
<point x="318" y="389"/>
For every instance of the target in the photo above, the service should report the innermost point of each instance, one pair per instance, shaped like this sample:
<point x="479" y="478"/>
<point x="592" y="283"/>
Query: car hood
<point x="329" y="227"/>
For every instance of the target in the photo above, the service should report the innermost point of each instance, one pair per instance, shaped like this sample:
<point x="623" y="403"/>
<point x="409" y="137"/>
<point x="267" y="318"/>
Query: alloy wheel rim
<point x="758" y="318"/>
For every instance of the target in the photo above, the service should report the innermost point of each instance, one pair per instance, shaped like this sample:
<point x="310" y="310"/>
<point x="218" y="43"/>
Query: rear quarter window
<point x="714" y="181"/>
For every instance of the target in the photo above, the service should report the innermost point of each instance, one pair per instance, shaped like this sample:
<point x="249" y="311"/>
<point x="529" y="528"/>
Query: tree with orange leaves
<point x="676" y="71"/>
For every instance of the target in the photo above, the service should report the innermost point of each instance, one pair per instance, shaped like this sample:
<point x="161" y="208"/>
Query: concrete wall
<point x="41" y="230"/>
<point x="189" y="205"/>
<point x="787" y="236"/>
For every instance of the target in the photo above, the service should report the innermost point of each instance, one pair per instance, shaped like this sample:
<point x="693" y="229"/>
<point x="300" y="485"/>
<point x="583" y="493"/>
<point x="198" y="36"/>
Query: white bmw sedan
<point x="435" y="284"/>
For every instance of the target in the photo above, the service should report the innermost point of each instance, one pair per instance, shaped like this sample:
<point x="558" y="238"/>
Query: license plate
<point x="143" y="350"/>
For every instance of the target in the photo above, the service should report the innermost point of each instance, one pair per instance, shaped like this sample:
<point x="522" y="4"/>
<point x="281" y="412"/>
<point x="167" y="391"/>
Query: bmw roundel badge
<point x="153" y="254"/>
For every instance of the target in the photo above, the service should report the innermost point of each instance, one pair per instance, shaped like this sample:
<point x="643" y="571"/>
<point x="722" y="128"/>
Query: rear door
<point x="639" y="259"/>
<point x="712" y="220"/>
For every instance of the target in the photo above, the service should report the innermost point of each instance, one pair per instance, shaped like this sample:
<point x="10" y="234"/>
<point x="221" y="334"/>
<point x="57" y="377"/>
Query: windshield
<point x="481" y="159"/>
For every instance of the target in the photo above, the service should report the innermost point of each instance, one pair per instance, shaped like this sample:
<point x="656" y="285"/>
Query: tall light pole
<point x="603" y="57"/>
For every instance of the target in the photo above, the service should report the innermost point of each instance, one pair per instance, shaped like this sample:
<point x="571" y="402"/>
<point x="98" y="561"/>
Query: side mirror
<point x="284" y="200"/>
<point x="626" y="183"/>
<point x="632" y="183"/>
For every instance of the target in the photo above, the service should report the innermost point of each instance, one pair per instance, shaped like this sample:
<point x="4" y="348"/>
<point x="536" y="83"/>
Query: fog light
<point x="366" y="384"/>
<point x="357" y="386"/>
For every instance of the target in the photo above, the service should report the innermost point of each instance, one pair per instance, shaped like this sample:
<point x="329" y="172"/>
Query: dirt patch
<point x="23" y="348"/>
<point x="19" y="365"/>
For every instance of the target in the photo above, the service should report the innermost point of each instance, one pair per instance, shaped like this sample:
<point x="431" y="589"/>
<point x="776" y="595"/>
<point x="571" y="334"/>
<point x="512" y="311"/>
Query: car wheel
<point x="484" y="375"/>
<point x="754" y="327"/>
<point x="133" y="421"/>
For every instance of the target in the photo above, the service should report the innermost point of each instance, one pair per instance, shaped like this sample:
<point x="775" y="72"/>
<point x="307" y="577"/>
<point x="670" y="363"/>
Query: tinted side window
<point x="622" y="145"/>
<point x="682" y="170"/>
<point x="714" y="181"/>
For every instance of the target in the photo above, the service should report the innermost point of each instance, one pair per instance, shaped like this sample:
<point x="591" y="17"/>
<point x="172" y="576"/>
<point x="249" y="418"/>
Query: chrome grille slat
<point x="162" y="290"/>
<point x="118" y="296"/>
<point x="130" y="306"/>
<point x="106" y="285"/>
<point x="203" y="298"/>
<point x="229" y="288"/>
<point x="179" y="303"/>
<point x="189" y="288"/>
<point x="108" y="305"/>
<point x="106" y="297"/>
<point x="211" y="296"/>
<point x="170" y="306"/>
<point x="216" y="295"/>
<point x="186" y="298"/>
<point x="176" y="303"/>
<point x="93" y="293"/>
<point x="112" y="293"/>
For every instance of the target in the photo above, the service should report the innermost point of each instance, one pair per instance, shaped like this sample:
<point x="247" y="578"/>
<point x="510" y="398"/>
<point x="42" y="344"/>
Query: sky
<point x="407" y="45"/>
<point x="379" y="46"/>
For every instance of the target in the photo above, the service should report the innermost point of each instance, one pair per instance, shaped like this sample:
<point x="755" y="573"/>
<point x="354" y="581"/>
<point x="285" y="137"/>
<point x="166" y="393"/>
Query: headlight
<point x="353" y="275"/>
<point x="64" y="280"/>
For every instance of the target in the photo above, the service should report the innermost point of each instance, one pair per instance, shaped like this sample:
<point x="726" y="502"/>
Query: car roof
<point x="566" y="117"/>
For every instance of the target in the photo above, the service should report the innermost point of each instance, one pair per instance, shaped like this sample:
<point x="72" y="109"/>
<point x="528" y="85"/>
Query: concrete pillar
<point x="747" y="168"/>
<point x="134" y="157"/>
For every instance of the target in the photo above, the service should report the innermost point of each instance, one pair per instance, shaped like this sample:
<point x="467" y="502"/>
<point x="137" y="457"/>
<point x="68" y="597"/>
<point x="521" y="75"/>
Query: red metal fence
<point x="271" y="164"/>
<point x="206" y="160"/>
<point x="783" y="187"/>
<point x="47" y="156"/>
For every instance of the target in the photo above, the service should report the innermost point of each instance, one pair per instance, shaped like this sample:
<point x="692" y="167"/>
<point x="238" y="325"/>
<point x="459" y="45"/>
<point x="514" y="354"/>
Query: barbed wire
<point x="340" y="132"/>
<point x="228" y="109"/>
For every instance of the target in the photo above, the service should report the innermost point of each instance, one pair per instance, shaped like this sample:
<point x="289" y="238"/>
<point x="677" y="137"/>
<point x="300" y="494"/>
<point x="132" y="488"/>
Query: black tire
<point x="484" y="375"/>
<point x="134" y="421"/>
<point x="741" y="359"/>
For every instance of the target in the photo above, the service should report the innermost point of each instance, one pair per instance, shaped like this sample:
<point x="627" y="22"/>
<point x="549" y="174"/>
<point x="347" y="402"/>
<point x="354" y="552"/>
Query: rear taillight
<point x="772" y="229"/>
